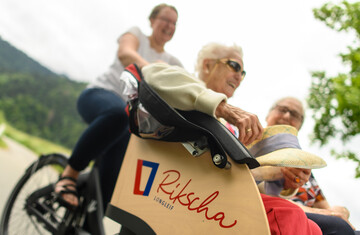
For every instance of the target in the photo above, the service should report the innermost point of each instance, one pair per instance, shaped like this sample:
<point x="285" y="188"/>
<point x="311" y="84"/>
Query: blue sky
<point x="282" y="43"/>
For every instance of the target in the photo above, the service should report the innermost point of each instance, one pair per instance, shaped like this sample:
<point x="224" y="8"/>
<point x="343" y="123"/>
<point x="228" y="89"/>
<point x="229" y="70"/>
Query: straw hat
<point x="279" y="146"/>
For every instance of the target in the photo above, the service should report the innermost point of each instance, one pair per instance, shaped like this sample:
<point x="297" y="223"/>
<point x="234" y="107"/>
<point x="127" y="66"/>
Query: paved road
<point x="13" y="161"/>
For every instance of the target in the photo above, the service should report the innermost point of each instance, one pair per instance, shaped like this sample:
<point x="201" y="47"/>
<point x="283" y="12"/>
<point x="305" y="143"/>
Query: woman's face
<point x="222" y="77"/>
<point x="164" y="25"/>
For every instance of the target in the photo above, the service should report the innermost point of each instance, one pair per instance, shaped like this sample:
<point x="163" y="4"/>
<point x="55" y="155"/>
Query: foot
<point x="65" y="189"/>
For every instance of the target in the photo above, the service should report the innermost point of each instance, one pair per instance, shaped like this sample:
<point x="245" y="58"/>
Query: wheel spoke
<point x="15" y="219"/>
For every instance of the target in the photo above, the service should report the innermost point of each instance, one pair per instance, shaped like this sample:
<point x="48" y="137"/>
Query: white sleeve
<point x="134" y="31"/>
<point x="180" y="89"/>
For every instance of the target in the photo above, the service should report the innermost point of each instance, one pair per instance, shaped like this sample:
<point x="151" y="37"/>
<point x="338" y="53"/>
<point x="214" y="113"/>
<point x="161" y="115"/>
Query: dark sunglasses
<point x="233" y="65"/>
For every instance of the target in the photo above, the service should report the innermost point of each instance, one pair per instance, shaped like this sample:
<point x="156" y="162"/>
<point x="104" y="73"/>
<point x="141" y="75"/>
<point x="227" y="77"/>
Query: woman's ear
<point x="151" y="22"/>
<point x="206" y="66"/>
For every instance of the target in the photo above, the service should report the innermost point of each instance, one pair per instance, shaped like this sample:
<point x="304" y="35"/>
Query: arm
<point x="180" y="89"/>
<point x="340" y="212"/>
<point x="323" y="204"/>
<point x="127" y="51"/>
<point x="183" y="91"/>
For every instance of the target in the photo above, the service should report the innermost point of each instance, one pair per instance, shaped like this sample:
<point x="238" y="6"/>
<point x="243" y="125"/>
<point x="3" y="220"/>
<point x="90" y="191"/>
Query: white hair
<point x="215" y="51"/>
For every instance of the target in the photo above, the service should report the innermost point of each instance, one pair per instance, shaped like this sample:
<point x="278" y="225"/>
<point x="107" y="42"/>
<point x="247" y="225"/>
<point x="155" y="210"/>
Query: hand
<point x="295" y="177"/>
<point x="248" y="124"/>
<point x="345" y="214"/>
<point x="342" y="213"/>
<point x="159" y="61"/>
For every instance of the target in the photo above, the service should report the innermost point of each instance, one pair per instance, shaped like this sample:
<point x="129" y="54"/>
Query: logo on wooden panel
<point x="177" y="193"/>
<point x="140" y="164"/>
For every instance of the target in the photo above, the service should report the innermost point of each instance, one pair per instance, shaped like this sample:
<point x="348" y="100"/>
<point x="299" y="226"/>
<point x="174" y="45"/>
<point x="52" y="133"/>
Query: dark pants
<point x="331" y="225"/>
<point x="106" y="137"/>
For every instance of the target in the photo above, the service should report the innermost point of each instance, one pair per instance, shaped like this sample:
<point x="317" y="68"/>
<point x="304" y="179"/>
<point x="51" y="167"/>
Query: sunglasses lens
<point x="243" y="73"/>
<point x="234" y="65"/>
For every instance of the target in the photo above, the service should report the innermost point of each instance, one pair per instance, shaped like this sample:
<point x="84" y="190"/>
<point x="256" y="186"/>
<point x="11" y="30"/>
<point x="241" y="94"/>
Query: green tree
<point x="335" y="101"/>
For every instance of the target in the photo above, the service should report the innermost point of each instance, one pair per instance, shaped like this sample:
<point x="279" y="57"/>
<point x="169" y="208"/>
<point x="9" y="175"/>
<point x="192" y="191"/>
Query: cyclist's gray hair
<point x="215" y="51"/>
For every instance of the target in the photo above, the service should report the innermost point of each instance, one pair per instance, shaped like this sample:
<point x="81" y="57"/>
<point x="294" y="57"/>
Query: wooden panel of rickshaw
<point x="176" y="193"/>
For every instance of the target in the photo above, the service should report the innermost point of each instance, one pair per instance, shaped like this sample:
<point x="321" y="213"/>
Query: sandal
<point x="66" y="189"/>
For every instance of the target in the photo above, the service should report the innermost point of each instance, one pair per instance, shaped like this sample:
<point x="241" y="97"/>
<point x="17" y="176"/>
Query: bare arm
<point x="340" y="212"/>
<point x="127" y="51"/>
<point x="323" y="204"/>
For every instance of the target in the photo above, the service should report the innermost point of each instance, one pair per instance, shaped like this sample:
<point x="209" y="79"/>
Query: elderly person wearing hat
<point x="221" y="69"/>
<point x="280" y="114"/>
<point x="290" y="111"/>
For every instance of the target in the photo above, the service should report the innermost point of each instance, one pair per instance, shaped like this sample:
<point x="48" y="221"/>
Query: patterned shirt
<point x="309" y="193"/>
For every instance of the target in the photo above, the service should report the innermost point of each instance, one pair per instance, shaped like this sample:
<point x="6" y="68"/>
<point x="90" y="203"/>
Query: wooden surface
<point x="188" y="195"/>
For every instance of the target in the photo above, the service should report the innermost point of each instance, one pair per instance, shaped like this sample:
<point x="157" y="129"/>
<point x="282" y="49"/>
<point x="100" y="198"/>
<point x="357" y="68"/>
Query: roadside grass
<point x="2" y="143"/>
<point x="2" y="129"/>
<point x="36" y="144"/>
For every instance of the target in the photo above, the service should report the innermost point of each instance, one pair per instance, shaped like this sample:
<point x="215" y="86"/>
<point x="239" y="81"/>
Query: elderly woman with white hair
<point x="220" y="70"/>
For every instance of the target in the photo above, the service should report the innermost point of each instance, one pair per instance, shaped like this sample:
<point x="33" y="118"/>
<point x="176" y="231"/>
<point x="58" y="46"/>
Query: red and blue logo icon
<point x="140" y="164"/>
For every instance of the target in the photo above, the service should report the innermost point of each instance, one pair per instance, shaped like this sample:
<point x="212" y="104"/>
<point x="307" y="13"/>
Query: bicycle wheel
<point x="41" y="175"/>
